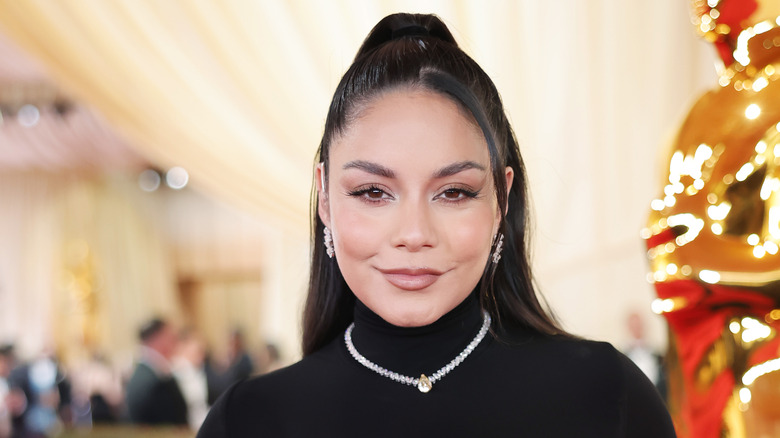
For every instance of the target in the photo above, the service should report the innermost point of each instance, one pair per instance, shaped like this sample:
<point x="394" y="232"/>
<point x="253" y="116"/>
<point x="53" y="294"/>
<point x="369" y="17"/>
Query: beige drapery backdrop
<point x="236" y="92"/>
<point x="73" y="244"/>
<point x="86" y="258"/>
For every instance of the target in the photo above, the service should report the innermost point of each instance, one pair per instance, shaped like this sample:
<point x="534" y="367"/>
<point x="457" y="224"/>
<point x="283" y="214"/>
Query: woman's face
<point x="411" y="204"/>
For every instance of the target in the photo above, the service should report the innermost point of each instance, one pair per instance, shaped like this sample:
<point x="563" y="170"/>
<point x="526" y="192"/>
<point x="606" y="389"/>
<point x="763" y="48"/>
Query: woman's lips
<point x="411" y="278"/>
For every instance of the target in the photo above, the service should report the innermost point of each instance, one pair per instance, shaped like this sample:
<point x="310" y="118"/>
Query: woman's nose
<point x="415" y="227"/>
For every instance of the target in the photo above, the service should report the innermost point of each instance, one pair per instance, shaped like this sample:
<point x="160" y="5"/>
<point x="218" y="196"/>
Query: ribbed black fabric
<point x="527" y="385"/>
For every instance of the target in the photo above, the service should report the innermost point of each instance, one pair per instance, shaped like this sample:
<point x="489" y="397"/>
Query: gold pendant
<point x="424" y="385"/>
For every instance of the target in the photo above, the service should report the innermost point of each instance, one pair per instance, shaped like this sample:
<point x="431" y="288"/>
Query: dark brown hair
<point x="418" y="51"/>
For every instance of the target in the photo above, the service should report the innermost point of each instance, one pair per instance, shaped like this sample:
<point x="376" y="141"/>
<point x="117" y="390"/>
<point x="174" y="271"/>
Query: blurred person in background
<point x="42" y="397"/>
<point x="645" y="357"/>
<point x="97" y="390"/>
<point x="237" y="366"/>
<point x="12" y="399"/>
<point x="6" y="363"/>
<point x="189" y="371"/>
<point x="268" y="358"/>
<point x="153" y="396"/>
<point x="241" y="366"/>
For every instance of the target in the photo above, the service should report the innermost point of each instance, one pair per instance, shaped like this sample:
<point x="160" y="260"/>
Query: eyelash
<point x="467" y="194"/>
<point x="363" y="192"/>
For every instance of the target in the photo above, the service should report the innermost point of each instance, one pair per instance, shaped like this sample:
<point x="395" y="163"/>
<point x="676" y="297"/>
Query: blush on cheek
<point x="357" y="237"/>
<point x="470" y="239"/>
<point x="474" y="251"/>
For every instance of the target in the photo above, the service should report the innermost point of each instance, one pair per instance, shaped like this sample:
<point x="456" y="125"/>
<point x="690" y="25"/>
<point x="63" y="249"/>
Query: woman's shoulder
<point x="598" y="354"/>
<point x="566" y="357"/>
<point x="572" y="350"/>
<point x="592" y="364"/>
<point x="582" y="371"/>
<point x="271" y="398"/>
<point x="309" y="375"/>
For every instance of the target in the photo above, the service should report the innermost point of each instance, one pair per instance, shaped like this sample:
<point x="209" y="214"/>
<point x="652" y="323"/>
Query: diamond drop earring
<point x="499" y="248"/>
<point x="328" y="242"/>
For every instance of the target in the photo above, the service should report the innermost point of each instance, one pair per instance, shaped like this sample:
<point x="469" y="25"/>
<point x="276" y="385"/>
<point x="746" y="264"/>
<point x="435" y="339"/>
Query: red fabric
<point x="765" y="352"/>
<point x="664" y="236"/>
<point x="697" y="326"/>
<point x="725" y="51"/>
<point x="734" y="14"/>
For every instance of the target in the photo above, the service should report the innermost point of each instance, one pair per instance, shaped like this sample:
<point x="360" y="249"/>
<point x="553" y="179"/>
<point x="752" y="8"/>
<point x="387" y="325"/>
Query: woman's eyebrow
<point x="373" y="168"/>
<point x="378" y="169"/>
<point x="458" y="167"/>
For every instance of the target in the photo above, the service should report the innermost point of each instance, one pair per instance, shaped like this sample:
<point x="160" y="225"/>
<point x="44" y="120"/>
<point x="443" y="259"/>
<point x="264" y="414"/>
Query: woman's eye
<point x="370" y="194"/>
<point x="374" y="194"/>
<point x="454" y="194"/>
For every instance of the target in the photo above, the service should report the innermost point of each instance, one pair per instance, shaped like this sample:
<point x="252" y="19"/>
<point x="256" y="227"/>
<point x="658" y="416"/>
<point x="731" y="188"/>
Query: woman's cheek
<point x="472" y="246"/>
<point x="469" y="236"/>
<point x="357" y="236"/>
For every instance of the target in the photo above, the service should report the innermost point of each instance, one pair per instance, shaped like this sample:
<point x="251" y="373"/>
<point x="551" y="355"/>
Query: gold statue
<point x="713" y="237"/>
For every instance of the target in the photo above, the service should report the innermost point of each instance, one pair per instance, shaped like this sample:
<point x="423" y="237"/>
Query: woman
<point x="422" y="318"/>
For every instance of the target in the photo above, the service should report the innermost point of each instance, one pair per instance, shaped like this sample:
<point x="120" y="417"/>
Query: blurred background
<point x="156" y="159"/>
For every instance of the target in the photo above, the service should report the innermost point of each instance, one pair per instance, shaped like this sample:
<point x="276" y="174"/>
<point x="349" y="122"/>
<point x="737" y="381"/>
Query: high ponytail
<point x="398" y="26"/>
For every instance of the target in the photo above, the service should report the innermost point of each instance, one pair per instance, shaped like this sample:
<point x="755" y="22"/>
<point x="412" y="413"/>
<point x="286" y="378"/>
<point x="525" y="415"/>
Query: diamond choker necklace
<point x="423" y="383"/>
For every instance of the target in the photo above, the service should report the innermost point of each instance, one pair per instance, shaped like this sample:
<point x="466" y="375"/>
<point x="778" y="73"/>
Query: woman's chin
<point x="411" y="318"/>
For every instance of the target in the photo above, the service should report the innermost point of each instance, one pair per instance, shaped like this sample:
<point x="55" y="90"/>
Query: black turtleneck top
<point x="523" y="385"/>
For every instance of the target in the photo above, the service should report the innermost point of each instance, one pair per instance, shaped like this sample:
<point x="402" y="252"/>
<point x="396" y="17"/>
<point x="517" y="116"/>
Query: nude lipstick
<point x="411" y="279"/>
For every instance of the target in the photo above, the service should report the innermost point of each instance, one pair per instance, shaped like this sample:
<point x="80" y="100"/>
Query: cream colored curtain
<point x="86" y="259"/>
<point x="236" y="92"/>
<point x="83" y="264"/>
<point x="197" y="84"/>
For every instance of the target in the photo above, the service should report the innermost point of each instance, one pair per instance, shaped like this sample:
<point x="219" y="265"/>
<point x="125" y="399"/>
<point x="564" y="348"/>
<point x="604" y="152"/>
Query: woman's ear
<point x="323" y="206"/>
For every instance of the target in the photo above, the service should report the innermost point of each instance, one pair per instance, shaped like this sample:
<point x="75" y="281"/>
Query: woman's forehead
<point x="411" y="125"/>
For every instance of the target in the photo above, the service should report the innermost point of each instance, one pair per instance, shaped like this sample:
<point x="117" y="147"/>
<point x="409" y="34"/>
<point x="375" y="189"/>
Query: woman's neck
<point x="416" y="350"/>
